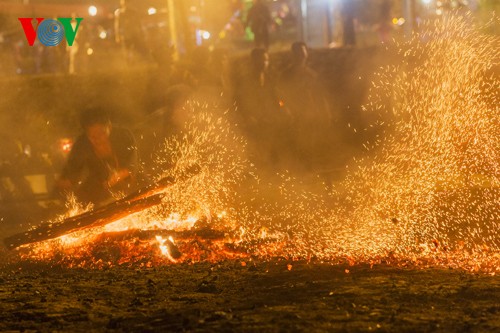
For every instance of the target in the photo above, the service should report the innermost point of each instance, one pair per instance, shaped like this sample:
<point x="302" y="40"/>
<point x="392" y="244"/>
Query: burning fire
<point x="426" y="194"/>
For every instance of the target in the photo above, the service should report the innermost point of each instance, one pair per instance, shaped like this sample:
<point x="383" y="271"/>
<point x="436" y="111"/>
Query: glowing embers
<point x="195" y="208"/>
<point x="426" y="194"/>
<point x="168" y="248"/>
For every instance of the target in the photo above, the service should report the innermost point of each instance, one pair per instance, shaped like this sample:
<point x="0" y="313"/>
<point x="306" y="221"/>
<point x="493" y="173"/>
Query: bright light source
<point x="66" y="145"/>
<point x="151" y="11"/>
<point x="90" y="51"/>
<point x="92" y="10"/>
<point x="395" y="20"/>
<point x="426" y="2"/>
<point x="205" y="34"/>
<point x="401" y="21"/>
<point x="103" y="34"/>
<point x="439" y="11"/>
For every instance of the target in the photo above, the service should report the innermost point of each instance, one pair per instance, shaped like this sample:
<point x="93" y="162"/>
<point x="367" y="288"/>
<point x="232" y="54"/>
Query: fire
<point x="167" y="250"/>
<point x="65" y="145"/>
<point x="150" y="222"/>
<point x="425" y="195"/>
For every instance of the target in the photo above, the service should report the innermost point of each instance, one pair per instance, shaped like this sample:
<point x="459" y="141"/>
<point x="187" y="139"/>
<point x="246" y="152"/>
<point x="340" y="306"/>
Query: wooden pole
<point x="173" y="28"/>
<point x="140" y="200"/>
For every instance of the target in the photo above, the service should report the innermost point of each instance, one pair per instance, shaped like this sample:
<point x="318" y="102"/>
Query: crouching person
<point x="102" y="164"/>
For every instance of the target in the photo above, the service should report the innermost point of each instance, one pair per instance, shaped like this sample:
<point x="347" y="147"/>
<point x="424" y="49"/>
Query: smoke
<point x="429" y="178"/>
<point x="428" y="175"/>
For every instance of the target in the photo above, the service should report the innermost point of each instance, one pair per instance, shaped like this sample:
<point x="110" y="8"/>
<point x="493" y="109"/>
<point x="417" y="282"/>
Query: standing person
<point x="298" y="68"/>
<point x="256" y="96"/>
<point x="305" y="99"/>
<point x="259" y="19"/>
<point x="262" y="117"/>
<point x="348" y="14"/>
<point x="129" y="33"/>
<point x="102" y="163"/>
<point x="385" y="26"/>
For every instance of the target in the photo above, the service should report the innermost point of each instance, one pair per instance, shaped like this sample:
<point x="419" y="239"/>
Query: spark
<point x="426" y="194"/>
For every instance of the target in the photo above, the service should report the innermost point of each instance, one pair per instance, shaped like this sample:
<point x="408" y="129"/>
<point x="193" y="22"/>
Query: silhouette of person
<point x="305" y="99"/>
<point x="298" y="69"/>
<point x="258" y="103"/>
<point x="220" y="67"/>
<point x="348" y="11"/>
<point x="384" y="26"/>
<point x="259" y="19"/>
<point x="128" y="31"/>
<point x="12" y="162"/>
<point x="102" y="163"/>
<point x="163" y="123"/>
<point x="18" y="203"/>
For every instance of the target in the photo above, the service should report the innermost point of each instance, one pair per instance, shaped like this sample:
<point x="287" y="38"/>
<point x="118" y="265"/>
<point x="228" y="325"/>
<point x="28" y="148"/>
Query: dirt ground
<point x="264" y="296"/>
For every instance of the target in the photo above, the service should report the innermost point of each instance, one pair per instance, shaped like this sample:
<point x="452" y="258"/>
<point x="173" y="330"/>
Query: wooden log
<point x="137" y="201"/>
<point x="113" y="212"/>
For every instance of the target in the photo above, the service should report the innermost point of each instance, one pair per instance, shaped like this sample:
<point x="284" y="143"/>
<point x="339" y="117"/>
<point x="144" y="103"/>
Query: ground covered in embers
<point x="229" y="296"/>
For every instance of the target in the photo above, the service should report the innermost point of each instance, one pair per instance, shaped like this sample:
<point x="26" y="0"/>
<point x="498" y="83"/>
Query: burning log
<point x="94" y="218"/>
<point x="140" y="200"/>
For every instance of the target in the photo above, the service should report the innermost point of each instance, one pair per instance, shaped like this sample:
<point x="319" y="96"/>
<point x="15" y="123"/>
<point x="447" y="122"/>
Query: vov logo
<point x="50" y="32"/>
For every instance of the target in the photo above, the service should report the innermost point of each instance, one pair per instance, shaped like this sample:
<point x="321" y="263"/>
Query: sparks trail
<point x="425" y="195"/>
<point x="435" y="173"/>
<point x="204" y="198"/>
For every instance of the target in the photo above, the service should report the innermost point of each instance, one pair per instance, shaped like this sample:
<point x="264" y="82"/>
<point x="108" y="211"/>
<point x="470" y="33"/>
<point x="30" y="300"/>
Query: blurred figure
<point x="18" y="203"/>
<point x="259" y="108"/>
<point x="13" y="161"/>
<point x="298" y="68"/>
<point x="306" y="101"/>
<point x="163" y="56"/>
<point x="220" y="67"/>
<point x="169" y="74"/>
<point x="49" y="59"/>
<point x="348" y="10"/>
<point x="102" y="163"/>
<point x="196" y="68"/>
<point x="385" y="25"/>
<point x="259" y="19"/>
<point x="163" y="123"/>
<point x="255" y="93"/>
<point x="128" y="31"/>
